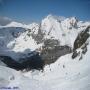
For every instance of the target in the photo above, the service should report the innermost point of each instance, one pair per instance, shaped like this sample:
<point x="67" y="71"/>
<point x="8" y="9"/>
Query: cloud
<point x="4" y="20"/>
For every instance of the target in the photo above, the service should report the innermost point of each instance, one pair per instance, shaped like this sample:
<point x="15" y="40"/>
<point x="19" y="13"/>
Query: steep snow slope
<point x="65" y="30"/>
<point x="11" y="79"/>
<point x="65" y="73"/>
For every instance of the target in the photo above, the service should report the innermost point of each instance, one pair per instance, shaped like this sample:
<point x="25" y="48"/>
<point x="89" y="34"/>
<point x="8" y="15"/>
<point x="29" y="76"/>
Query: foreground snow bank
<point x="13" y="80"/>
<point x="66" y="73"/>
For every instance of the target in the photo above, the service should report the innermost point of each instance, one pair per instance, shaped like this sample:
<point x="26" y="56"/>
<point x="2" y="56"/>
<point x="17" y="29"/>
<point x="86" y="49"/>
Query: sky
<point x="35" y="10"/>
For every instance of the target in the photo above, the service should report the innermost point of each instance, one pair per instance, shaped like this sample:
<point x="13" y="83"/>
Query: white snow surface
<point x="65" y="73"/>
<point x="14" y="80"/>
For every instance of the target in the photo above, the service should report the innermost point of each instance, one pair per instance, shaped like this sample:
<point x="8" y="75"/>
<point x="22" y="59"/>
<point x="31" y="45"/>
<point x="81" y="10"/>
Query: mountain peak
<point x="50" y="16"/>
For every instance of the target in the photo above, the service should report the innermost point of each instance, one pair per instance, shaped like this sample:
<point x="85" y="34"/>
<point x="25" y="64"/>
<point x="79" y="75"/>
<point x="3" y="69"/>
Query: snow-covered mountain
<point x="57" y="45"/>
<point x="17" y="39"/>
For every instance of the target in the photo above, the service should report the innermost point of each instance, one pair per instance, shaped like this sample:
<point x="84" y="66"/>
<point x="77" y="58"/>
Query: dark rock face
<point x="39" y="37"/>
<point x="51" y="43"/>
<point x="81" y="38"/>
<point x="33" y="62"/>
<point x="75" y="54"/>
<point x="28" y="63"/>
<point x="81" y="42"/>
<point x="51" y="51"/>
<point x="16" y="31"/>
<point x="84" y="48"/>
<point x="11" y="63"/>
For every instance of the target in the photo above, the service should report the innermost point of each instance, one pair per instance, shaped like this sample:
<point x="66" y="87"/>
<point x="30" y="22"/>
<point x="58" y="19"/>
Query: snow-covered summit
<point x="62" y="29"/>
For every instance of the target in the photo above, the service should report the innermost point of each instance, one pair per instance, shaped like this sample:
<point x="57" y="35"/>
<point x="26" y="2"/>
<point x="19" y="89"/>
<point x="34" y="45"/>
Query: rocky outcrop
<point x="80" y="42"/>
<point x="38" y="37"/>
<point x="51" y="51"/>
<point x="81" y="38"/>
